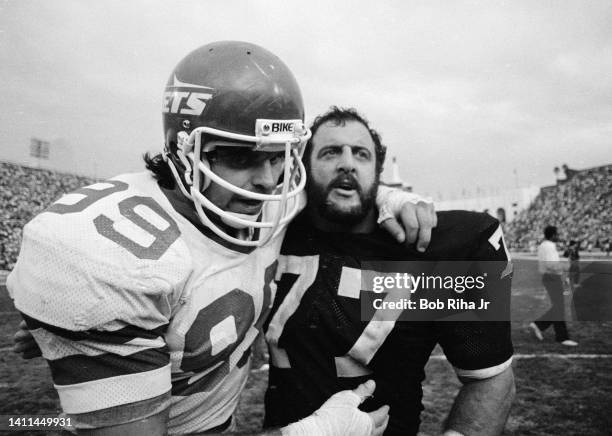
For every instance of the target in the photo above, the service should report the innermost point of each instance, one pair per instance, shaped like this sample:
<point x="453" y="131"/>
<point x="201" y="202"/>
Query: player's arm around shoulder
<point x="408" y="217"/>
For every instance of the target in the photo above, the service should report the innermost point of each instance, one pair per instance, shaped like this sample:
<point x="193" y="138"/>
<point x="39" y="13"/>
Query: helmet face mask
<point x="227" y="97"/>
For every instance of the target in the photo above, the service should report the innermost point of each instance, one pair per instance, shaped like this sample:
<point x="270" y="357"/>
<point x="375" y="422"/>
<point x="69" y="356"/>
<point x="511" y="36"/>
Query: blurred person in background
<point x="572" y="252"/>
<point x="550" y="268"/>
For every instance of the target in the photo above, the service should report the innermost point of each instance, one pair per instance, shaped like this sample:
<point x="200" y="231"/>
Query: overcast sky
<point x="463" y="93"/>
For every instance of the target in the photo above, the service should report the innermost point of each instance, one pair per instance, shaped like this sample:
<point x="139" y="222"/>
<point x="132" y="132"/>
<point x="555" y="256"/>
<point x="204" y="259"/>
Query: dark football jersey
<point x="320" y="345"/>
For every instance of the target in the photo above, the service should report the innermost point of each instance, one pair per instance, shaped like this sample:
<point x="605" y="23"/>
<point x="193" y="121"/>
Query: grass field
<point x="560" y="390"/>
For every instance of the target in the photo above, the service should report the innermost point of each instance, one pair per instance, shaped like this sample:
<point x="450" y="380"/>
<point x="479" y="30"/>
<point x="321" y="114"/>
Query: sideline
<point x="584" y="258"/>
<point x="516" y="356"/>
<point x="520" y="356"/>
<point x="265" y="367"/>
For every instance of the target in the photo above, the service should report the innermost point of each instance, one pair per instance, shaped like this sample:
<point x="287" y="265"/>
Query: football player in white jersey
<point x="145" y="292"/>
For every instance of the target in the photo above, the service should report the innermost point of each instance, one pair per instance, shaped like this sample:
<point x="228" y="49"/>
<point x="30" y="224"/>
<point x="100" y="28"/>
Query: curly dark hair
<point x="160" y="169"/>
<point x="339" y="117"/>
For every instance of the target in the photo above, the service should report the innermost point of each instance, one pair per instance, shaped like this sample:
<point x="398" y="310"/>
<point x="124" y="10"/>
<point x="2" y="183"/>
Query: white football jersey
<point x="129" y="301"/>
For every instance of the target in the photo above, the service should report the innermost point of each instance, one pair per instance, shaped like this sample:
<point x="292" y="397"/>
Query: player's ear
<point x="380" y="165"/>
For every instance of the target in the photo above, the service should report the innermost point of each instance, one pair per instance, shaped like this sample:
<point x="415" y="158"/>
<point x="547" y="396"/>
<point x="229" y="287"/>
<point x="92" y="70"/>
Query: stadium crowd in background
<point x="580" y="206"/>
<point x="25" y="192"/>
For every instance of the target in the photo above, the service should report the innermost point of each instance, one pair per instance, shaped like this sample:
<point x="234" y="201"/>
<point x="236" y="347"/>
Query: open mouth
<point x="248" y="205"/>
<point x="344" y="191"/>
<point x="250" y="202"/>
<point x="345" y="187"/>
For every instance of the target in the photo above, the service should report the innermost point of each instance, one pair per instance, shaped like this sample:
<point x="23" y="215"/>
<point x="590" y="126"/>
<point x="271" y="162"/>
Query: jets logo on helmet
<point x="234" y="94"/>
<point x="186" y="98"/>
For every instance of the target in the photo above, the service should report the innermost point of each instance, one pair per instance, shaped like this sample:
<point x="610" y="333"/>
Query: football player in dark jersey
<point x="320" y="344"/>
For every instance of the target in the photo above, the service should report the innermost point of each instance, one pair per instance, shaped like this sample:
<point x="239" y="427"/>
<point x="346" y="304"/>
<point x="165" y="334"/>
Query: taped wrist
<point x="391" y="200"/>
<point x="338" y="416"/>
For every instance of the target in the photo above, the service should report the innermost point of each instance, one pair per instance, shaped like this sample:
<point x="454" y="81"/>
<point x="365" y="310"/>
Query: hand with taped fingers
<point x="24" y="343"/>
<point x="380" y="416"/>
<point x="340" y="415"/>
<point x="413" y="224"/>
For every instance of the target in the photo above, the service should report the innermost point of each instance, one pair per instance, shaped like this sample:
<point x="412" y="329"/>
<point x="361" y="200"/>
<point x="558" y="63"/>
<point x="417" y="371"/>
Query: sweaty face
<point x="254" y="171"/>
<point x="342" y="180"/>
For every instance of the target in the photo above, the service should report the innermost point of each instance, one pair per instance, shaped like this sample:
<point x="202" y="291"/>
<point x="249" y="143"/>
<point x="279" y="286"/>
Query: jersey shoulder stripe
<point x="121" y="414"/>
<point x="463" y="235"/>
<point x="98" y="396"/>
<point x="120" y="336"/>
<point x="70" y="370"/>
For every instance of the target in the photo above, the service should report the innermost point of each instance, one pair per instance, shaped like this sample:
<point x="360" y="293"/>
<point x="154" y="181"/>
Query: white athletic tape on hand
<point x="452" y="433"/>
<point x="390" y="202"/>
<point x="383" y="214"/>
<point x="338" y="416"/>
